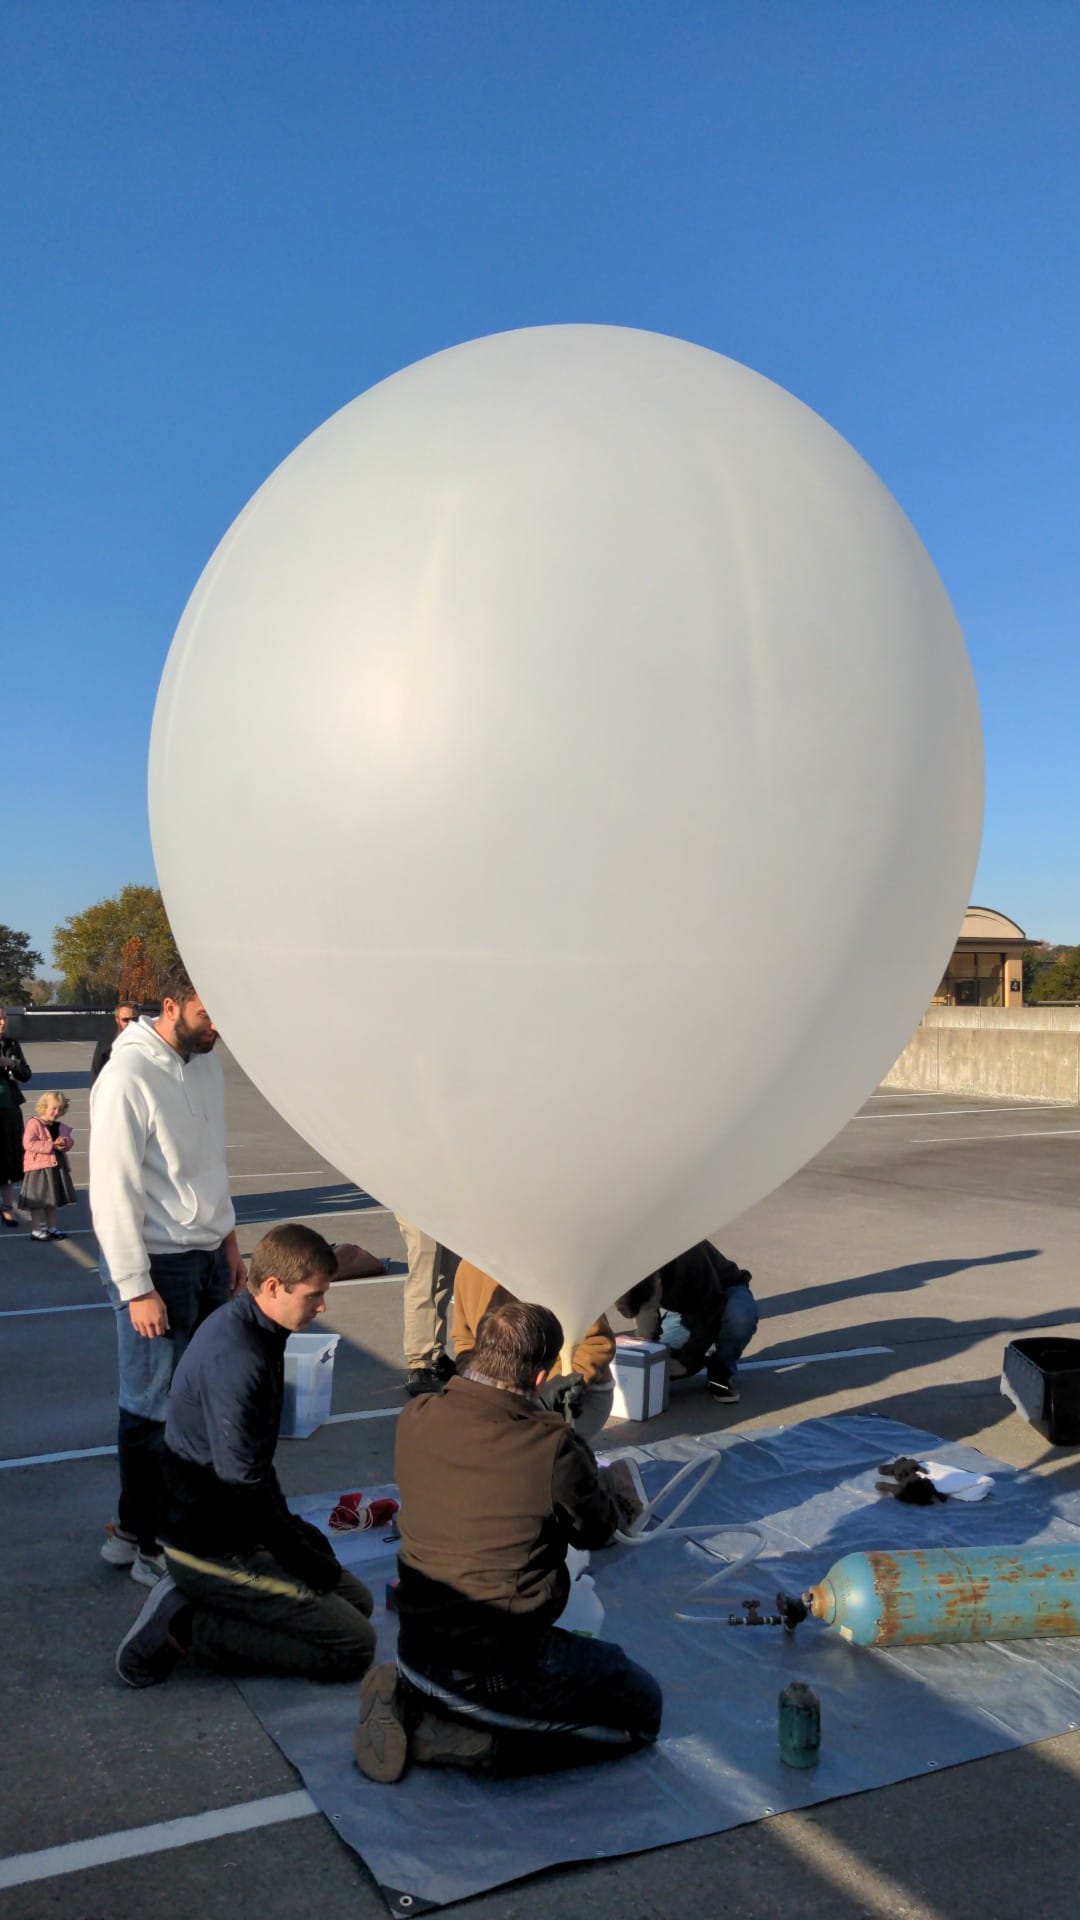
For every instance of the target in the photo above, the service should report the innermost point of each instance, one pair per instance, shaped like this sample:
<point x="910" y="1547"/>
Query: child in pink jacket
<point x="47" y="1182"/>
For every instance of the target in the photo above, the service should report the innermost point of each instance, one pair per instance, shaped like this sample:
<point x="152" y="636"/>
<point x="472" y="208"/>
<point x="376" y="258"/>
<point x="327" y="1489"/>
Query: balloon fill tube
<point x="937" y="1597"/>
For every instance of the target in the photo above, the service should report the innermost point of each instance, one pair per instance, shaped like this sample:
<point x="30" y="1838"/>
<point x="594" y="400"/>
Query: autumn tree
<point x="88" y="948"/>
<point x="17" y="962"/>
<point x="138" y="981"/>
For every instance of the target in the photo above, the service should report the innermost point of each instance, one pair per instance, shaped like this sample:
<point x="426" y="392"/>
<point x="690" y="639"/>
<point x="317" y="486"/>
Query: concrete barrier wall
<point x="1019" y="1062"/>
<point x="33" y="1023"/>
<point x="1025" y="1019"/>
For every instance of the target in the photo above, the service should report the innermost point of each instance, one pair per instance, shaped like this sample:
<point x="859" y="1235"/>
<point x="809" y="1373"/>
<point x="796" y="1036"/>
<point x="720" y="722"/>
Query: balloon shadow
<point x="890" y="1280"/>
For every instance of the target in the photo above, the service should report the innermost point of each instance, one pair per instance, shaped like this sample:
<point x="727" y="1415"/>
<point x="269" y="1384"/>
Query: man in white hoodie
<point x="159" y="1196"/>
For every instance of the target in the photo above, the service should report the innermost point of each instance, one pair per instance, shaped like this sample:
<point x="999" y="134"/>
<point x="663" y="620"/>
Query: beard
<point x="193" y="1040"/>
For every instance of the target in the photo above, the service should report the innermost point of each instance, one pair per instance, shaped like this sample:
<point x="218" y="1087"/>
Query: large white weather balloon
<point x="565" y="785"/>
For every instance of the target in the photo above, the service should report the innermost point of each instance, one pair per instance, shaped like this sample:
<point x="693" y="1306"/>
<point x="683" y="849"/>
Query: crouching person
<point x="494" y="1489"/>
<point x="251" y="1587"/>
<point x="700" y="1305"/>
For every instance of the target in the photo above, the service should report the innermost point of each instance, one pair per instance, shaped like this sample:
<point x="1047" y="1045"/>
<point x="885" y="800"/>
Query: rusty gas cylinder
<point x="905" y="1599"/>
<point x="799" y="1725"/>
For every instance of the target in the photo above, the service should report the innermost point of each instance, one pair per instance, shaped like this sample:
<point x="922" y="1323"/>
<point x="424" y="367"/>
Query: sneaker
<point x="380" y="1742"/>
<point x="148" y="1651"/>
<point x="449" y="1743"/>
<point x="422" y="1380"/>
<point x="148" y="1568"/>
<point x="722" y="1387"/>
<point x="38" y="1233"/>
<point x="120" y="1548"/>
<point x="54" y="1233"/>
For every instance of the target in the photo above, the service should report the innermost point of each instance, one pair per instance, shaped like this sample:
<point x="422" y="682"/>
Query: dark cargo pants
<point x="250" y="1616"/>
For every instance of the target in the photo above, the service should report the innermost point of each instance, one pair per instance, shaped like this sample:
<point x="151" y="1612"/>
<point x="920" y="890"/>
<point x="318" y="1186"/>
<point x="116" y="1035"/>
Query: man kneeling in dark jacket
<point x="251" y="1588"/>
<point x="494" y="1489"/>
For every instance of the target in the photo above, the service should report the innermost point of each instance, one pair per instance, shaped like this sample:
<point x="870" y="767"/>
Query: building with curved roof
<point x="986" y="969"/>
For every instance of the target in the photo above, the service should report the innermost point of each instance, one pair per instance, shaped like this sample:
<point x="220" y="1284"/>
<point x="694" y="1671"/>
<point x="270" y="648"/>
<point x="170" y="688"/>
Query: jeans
<point x="576" y="1701"/>
<point x="191" y="1283"/>
<point x="728" y="1340"/>
<point x="250" y="1616"/>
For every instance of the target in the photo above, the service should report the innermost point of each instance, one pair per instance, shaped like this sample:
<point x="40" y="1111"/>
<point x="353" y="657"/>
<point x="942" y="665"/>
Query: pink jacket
<point x="38" y="1149"/>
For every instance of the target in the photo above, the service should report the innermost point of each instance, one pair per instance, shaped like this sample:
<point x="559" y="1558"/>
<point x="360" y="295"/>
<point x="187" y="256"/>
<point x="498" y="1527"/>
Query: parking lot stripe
<point x="1030" y="1133"/>
<point x="19" y="1869"/>
<point x="27" y="1313"/>
<point x="808" y="1359"/>
<point x="946" y="1113"/>
<point x="53" y="1459"/>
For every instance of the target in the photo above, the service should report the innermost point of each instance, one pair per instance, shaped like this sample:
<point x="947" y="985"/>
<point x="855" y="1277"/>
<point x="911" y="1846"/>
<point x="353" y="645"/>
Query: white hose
<point x="740" y="1561"/>
<point x="641" y="1538"/>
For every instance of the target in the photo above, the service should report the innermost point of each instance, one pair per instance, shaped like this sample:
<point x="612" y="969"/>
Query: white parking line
<point x="54" y="1459"/>
<point x="31" y="1313"/>
<point x="789" y="1360"/>
<point x="106" y="1306"/>
<point x="946" y="1113"/>
<point x="1031" y="1133"/>
<point x="369" y="1413"/>
<point x="19" y="1869"/>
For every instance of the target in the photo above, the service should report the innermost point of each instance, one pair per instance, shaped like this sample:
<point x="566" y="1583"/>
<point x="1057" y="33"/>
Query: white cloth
<point x="158" y="1181"/>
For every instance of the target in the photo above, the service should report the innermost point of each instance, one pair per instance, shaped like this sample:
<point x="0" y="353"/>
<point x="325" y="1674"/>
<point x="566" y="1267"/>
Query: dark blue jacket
<point x="220" y="1435"/>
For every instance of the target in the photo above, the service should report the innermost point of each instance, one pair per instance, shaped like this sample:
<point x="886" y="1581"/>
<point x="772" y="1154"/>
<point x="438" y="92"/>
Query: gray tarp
<point x="440" y="1836"/>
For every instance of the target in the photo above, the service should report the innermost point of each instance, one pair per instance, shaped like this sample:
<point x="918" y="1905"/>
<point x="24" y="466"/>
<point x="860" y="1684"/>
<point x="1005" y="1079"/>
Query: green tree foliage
<point x="17" y="963"/>
<point x="1060" y="980"/>
<point x="88" y="948"/>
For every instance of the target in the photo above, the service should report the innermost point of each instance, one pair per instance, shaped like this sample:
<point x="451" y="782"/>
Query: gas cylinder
<point x="994" y="1593"/>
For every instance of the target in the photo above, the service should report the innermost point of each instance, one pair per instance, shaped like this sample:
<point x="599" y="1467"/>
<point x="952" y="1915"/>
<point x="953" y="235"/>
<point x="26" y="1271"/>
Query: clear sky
<point x="222" y="220"/>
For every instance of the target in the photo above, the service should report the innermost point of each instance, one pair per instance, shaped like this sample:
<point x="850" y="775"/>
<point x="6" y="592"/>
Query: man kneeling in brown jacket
<point x="494" y="1489"/>
<point x="475" y="1291"/>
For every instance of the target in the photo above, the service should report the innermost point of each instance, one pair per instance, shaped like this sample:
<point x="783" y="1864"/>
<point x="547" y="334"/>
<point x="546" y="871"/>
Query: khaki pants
<point x="427" y="1295"/>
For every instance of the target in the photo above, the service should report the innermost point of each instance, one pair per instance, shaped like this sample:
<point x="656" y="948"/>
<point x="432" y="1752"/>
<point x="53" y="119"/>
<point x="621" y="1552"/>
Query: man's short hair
<point x="515" y="1341"/>
<point x="293" y="1253"/>
<point x="178" y="985"/>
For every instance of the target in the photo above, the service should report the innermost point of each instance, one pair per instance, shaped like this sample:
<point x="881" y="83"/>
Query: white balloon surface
<point x="565" y="785"/>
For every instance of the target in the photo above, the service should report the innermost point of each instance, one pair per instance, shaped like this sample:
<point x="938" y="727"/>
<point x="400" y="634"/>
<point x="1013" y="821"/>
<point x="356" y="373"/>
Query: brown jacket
<point x="474" y="1292"/>
<point x="494" y="1488"/>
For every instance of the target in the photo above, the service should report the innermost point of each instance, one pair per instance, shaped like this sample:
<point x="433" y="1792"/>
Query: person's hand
<point x="60" y="1146"/>
<point x="627" y="1339"/>
<point x="149" y="1315"/>
<point x="237" y="1269"/>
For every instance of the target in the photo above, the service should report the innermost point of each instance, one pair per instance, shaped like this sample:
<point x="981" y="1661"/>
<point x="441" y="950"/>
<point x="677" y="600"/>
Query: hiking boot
<point x="422" y="1380"/>
<point x="149" y="1651"/>
<point x="148" y="1568"/>
<point x="449" y="1743"/>
<point x="120" y="1548"/>
<point x="380" y="1742"/>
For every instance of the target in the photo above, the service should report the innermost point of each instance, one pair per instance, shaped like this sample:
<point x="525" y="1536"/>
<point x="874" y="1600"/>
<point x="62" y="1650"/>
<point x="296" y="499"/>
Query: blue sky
<point x="222" y="221"/>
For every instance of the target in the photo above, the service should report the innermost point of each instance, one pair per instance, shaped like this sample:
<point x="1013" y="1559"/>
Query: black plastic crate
<point x="1042" y="1379"/>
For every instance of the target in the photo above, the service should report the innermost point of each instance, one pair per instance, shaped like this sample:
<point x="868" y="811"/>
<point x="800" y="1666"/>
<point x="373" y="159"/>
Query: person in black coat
<point x="14" y="1073"/>
<point x="125" y="1013"/>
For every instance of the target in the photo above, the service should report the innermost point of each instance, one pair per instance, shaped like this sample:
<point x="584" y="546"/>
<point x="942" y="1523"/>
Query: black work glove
<point x="906" y="1480"/>
<point x="565" y="1394"/>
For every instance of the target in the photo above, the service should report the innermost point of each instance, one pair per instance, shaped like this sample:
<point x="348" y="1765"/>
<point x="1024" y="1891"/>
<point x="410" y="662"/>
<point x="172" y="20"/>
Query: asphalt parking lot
<point x="890" y="1272"/>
